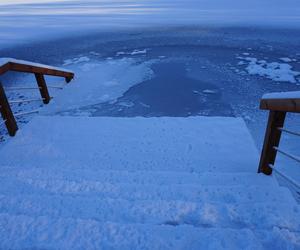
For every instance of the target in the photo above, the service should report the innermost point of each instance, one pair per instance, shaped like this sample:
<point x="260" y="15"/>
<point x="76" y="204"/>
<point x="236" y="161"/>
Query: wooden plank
<point x="7" y="114"/>
<point x="272" y="139"/>
<point x="43" y="87"/>
<point x="4" y="68"/>
<point x="21" y="67"/>
<point x="39" y="70"/>
<point x="284" y="105"/>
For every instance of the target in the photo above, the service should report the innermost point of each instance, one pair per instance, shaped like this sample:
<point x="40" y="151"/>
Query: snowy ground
<point x="116" y="183"/>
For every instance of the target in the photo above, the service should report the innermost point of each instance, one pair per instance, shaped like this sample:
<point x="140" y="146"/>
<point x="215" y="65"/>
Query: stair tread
<point x="21" y="231"/>
<point x="44" y="232"/>
<point x="141" y="177"/>
<point x="169" y="212"/>
<point x="143" y="183"/>
<point x="189" y="144"/>
<point x="189" y="192"/>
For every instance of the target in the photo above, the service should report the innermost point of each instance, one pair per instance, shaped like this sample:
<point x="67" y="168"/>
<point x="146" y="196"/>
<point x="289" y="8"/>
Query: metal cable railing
<point x="289" y="131"/>
<point x="55" y="87"/>
<point x="26" y="113"/>
<point x="39" y="72"/>
<point x="20" y="88"/>
<point x="26" y="100"/>
<point x="31" y="88"/>
<point x="289" y="179"/>
<point x="291" y="156"/>
<point x="278" y="106"/>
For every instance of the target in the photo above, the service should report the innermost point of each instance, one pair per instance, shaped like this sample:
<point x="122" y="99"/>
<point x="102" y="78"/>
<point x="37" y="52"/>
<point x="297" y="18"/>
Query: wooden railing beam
<point x="4" y="68"/>
<point x="21" y="66"/>
<point x="7" y="114"/>
<point x="39" y="70"/>
<point x="284" y="104"/>
<point x="40" y="79"/>
<point x="272" y="139"/>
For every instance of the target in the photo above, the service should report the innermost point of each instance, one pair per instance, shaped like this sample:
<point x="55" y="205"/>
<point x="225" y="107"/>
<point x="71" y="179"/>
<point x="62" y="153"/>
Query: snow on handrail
<point x="26" y="100"/>
<point x="11" y="64"/>
<point x="4" y="61"/>
<point x="289" y="131"/>
<point x="285" y="176"/>
<point x="293" y="157"/>
<point x="282" y="95"/>
<point x="27" y="113"/>
<point x="281" y="104"/>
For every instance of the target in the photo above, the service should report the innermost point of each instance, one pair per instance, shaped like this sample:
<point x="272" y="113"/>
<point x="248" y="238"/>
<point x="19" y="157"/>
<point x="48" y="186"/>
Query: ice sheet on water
<point x="99" y="81"/>
<point x="76" y="60"/>
<point x="276" y="71"/>
<point x="287" y="59"/>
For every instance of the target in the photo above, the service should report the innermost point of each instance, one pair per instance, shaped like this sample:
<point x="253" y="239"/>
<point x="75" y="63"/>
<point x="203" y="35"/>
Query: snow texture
<point x="106" y="80"/>
<point x="108" y="141"/>
<point x="140" y="183"/>
<point x="279" y="72"/>
<point x="4" y="61"/>
<point x="283" y="95"/>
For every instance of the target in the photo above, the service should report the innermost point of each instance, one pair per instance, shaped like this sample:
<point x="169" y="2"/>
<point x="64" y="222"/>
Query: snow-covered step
<point x="188" y="192"/>
<point x="140" y="183"/>
<point x="193" y="144"/>
<point x="140" y="177"/>
<point x="24" y="232"/>
<point x="157" y="212"/>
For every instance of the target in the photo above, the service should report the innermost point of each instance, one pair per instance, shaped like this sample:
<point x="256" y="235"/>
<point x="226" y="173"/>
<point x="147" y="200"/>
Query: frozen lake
<point x="193" y="71"/>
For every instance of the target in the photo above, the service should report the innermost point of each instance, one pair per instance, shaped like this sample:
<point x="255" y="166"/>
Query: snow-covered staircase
<point x="140" y="183"/>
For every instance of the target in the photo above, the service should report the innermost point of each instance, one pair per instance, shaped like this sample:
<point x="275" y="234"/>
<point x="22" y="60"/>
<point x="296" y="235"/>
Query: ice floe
<point x="276" y="71"/>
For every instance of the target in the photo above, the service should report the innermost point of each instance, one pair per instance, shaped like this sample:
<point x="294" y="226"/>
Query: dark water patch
<point x="170" y="93"/>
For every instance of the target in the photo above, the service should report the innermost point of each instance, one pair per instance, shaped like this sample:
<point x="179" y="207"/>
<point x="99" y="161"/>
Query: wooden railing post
<point x="43" y="87"/>
<point x="272" y="139"/>
<point x="7" y="114"/>
<point x="68" y="79"/>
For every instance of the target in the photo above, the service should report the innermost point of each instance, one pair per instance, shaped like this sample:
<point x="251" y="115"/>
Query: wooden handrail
<point x="284" y="104"/>
<point x="10" y="64"/>
<point x="278" y="104"/>
<point x="39" y="70"/>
